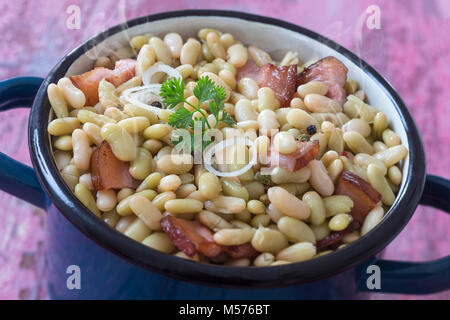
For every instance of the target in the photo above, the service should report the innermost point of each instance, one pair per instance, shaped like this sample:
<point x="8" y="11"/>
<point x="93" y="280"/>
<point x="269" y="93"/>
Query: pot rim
<point x="295" y="273"/>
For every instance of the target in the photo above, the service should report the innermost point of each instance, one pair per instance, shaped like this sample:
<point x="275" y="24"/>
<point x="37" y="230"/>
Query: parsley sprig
<point x="172" y="92"/>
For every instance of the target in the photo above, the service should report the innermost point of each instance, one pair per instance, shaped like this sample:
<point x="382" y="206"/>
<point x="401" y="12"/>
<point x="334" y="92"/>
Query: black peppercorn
<point x="311" y="130"/>
<point x="157" y="104"/>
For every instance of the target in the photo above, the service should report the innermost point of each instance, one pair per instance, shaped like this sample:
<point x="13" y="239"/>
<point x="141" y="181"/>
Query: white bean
<point x="86" y="116"/>
<point x="340" y="222"/>
<point x="268" y="240"/>
<point x="372" y="219"/>
<point x="174" y="42"/>
<point x="63" y="143"/>
<point x="248" y="88"/>
<point x="267" y="99"/>
<point x="169" y="183"/>
<point x="85" y="196"/>
<point x="159" y="241"/>
<point x="238" y="55"/>
<point x="359" y="125"/>
<point x="137" y="230"/>
<point x="209" y="186"/>
<point x="296" y="230"/>
<point x="357" y="143"/>
<point x="81" y="149"/>
<point x="320" y="180"/>
<point x="162" y="52"/>
<point x="175" y="163"/>
<point x="228" y="77"/>
<point x="146" y="211"/>
<point x="298" y="252"/>
<point x="315" y="203"/>
<point x="86" y="179"/>
<point x="285" y="142"/>
<point x="134" y="124"/>
<point x="281" y="175"/>
<point x="288" y="204"/>
<point x="145" y="59"/>
<point x="141" y="166"/>
<point x="233" y="237"/>
<point x="259" y="56"/>
<point x="121" y="142"/>
<point x="318" y="103"/>
<point x="93" y="132"/>
<point x="244" y="111"/>
<point x="74" y="96"/>
<point x="392" y="155"/>
<point x="63" y="126"/>
<point x="213" y="221"/>
<point x="62" y="158"/>
<point x="379" y="182"/>
<point x="335" y="169"/>
<point x="395" y="175"/>
<point x="363" y="160"/>
<point x="183" y="206"/>
<point x="264" y="259"/>
<point x="106" y="200"/>
<point x="215" y="46"/>
<point x="268" y="123"/>
<point x="57" y="101"/>
<point x="316" y="87"/>
<point x="226" y="205"/>
<point x="107" y="94"/>
<point x="133" y="82"/>
<point x="71" y="175"/>
<point x="321" y="231"/>
<point x="227" y="40"/>
<point x="300" y="119"/>
<point x="190" y="52"/>
<point x="337" y="204"/>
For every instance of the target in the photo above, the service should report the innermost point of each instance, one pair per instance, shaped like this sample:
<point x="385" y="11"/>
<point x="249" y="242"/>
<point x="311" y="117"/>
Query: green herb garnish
<point x="303" y="137"/>
<point x="264" y="179"/>
<point x="172" y="92"/>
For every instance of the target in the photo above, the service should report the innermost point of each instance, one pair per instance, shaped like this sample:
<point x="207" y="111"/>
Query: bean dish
<point x="211" y="150"/>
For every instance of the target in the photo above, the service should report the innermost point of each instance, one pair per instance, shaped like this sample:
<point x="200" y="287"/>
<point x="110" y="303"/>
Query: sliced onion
<point x="212" y="149"/>
<point x="141" y="95"/>
<point x="156" y="68"/>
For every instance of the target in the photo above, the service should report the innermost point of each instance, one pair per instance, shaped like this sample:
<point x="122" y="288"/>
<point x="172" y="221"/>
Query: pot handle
<point x="416" y="277"/>
<point x="16" y="178"/>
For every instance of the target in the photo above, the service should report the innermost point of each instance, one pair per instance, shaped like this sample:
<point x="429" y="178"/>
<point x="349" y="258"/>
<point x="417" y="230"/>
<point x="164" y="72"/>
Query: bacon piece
<point x="331" y="72"/>
<point x="335" y="237"/>
<point x="108" y="172"/>
<point x="177" y="235"/>
<point x="242" y="251"/>
<point x="88" y="82"/>
<point x="364" y="196"/>
<point x="190" y="236"/>
<point x="306" y="151"/>
<point x="282" y="80"/>
<point x="248" y="70"/>
<point x="124" y="70"/>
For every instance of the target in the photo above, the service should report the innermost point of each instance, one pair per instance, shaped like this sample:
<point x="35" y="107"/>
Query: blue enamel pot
<point x="112" y="266"/>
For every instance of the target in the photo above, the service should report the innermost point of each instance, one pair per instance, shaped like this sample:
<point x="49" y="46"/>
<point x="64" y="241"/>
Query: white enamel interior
<point x="273" y="39"/>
